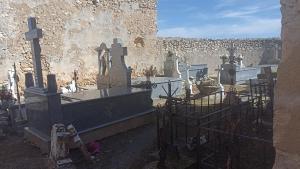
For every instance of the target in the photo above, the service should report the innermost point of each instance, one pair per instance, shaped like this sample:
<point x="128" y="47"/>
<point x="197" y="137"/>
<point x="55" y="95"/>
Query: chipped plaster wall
<point x="287" y="94"/>
<point x="205" y="51"/>
<point x="72" y="30"/>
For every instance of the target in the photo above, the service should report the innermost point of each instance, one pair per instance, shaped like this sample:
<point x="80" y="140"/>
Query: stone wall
<point x="73" y="29"/>
<point x="287" y="95"/>
<point x="205" y="51"/>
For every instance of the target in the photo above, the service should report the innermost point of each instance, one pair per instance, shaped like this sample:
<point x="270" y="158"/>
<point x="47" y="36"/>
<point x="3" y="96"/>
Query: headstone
<point x="103" y="79"/>
<point x="118" y="72"/>
<point x="171" y="68"/>
<point x="33" y="36"/>
<point x="29" y="80"/>
<point x="232" y="57"/>
<point x="240" y="61"/>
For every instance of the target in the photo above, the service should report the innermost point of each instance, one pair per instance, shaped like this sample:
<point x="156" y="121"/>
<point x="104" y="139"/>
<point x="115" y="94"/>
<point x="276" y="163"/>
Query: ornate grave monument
<point x="94" y="113"/>
<point x="234" y="71"/>
<point x="171" y="66"/>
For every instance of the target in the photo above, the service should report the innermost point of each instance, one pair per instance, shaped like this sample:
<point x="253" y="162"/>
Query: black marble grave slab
<point x="91" y="109"/>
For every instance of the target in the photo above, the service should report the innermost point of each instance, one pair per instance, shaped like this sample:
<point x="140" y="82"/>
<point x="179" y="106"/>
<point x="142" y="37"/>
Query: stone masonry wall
<point x="205" y="51"/>
<point x="287" y="94"/>
<point x="72" y="30"/>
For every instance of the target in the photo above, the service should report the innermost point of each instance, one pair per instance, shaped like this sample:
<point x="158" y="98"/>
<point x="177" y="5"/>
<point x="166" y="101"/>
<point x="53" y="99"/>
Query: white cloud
<point x="240" y="13"/>
<point x="245" y="12"/>
<point x="255" y="28"/>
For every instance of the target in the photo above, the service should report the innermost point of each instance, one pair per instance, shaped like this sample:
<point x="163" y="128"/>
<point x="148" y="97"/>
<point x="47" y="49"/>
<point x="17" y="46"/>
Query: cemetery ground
<point x="137" y="149"/>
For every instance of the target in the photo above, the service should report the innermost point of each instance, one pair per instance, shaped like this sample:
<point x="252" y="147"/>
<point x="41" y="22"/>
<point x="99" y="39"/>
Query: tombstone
<point x="33" y="36"/>
<point x="43" y="106"/>
<point x="224" y="59"/>
<point x="240" y="61"/>
<point x="232" y="57"/>
<point x="96" y="114"/>
<point x="171" y="68"/>
<point x="234" y="72"/>
<point x="103" y="79"/>
<point x="119" y="73"/>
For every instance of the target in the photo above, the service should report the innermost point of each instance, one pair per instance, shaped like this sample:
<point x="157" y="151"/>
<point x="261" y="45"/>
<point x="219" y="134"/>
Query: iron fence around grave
<point x="218" y="131"/>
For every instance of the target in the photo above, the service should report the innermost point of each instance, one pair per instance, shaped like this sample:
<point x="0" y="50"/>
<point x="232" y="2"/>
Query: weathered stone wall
<point x="72" y="31"/>
<point x="287" y="95"/>
<point x="205" y="51"/>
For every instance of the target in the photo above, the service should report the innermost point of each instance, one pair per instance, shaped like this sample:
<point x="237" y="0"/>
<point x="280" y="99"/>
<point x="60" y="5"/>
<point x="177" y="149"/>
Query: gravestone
<point x="119" y="73"/>
<point x="33" y="35"/>
<point x="103" y="79"/>
<point x="42" y="105"/>
<point x="171" y="68"/>
<point x="96" y="114"/>
<point x="234" y="72"/>
<point x="240" y="61"/>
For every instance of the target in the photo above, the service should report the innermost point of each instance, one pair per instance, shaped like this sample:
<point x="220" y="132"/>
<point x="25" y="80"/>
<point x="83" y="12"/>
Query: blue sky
<point x="219" y="18"/>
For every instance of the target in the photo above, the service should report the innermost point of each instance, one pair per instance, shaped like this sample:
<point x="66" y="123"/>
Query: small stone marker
<point x="118" y="72"/>
<point x="33" y="35"/>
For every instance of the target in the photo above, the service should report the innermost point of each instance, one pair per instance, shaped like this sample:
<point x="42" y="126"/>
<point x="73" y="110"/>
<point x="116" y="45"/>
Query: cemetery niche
<point x="91" y="112"/>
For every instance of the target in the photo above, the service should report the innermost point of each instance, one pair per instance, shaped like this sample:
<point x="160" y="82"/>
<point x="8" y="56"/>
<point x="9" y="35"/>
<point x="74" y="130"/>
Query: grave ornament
<point x="33" y="35"/>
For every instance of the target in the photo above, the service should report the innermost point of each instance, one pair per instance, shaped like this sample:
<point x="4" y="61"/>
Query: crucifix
<point x="33" y="35"/>
<point x="232" y="51"/>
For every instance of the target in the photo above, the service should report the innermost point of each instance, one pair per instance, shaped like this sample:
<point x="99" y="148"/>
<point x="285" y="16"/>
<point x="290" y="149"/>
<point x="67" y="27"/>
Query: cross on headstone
<point x="119" y="72"/>
<point x="33" y="35"/>
<point x="231" y="51"/>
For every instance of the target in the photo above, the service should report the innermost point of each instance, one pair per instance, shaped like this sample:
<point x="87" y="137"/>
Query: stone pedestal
<point x="43" y="110"/>
<point x="287" y="92"/>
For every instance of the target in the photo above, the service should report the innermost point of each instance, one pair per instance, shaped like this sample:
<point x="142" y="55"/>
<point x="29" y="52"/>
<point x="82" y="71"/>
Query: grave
<point x="176" y="73"/>
<point x="94" y="113"/>
<point x="235" y="72"/>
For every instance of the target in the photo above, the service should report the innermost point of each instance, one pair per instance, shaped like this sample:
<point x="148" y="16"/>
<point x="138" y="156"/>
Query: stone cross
<point x="33" y="35"/>
<point x="119" y="72"/>
<point x="231" y="51"/>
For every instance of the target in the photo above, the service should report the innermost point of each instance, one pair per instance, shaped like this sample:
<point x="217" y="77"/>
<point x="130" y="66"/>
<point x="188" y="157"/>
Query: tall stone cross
<point x="33" y="35"/>
<point x="119" y="72"/>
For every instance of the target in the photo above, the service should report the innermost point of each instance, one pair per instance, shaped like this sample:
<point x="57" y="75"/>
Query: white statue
<point x="188" y="84"/>
<point x="12" y="85"/>
<point x="220" y="86"/>
<point x="240" y="61"/>
<point x="70" y="88"/>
